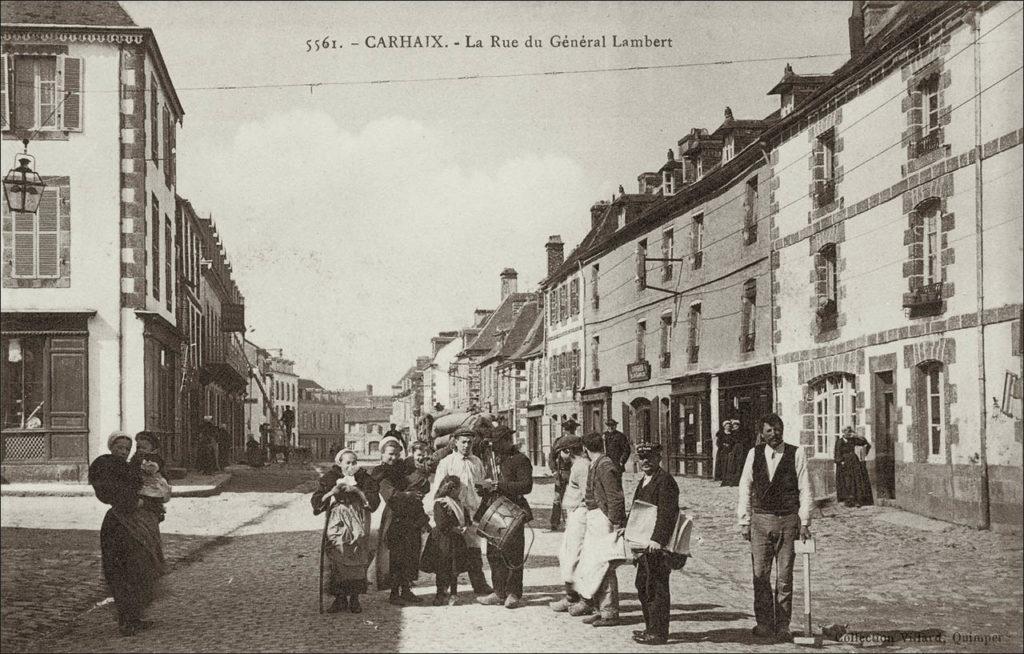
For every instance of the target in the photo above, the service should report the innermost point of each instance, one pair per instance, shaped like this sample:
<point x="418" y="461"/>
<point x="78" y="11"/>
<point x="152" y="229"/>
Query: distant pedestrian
<point x="206" y="456"/>
<point x="853" y="486"/>
<point x="350" y="495"/>
<point x="253" y="453"/>
<point x="615" y="444"/>
<point x="774" y="509"/>
<point x="560" y="461"/>
<point x="571" y="446"/>
<point x="445" y="552"/>
<point x="741" y="444"/>
<point x="723" y="450"/>
<point x="131" y="555"/>
<point x="225" y="448"/>
<point x="393" y="432"/>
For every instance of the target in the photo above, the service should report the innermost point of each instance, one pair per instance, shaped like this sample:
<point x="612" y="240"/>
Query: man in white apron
<point x="603" y="545"/>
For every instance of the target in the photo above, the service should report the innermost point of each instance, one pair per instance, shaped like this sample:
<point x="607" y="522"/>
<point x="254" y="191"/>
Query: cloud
<point x="354" y="247"/>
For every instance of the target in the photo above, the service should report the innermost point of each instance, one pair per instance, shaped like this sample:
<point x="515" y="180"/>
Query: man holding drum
<point x="515" y="481"/>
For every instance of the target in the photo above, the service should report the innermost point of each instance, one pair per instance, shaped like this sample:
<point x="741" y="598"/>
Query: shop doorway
<point x="885" y="434"/>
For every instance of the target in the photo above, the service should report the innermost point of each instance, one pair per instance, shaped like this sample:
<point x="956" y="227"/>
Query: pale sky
<point x="361" y="219"/>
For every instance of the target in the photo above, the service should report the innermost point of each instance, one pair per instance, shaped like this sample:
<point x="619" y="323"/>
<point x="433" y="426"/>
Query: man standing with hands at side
<point x="774" y="509"/>
<point x="615" y="444"/>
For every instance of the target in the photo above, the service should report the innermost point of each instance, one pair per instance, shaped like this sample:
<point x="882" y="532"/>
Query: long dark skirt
<point x="853" y="485"/>
<point x="132" y="560"/>
<point x="404" y="546"/>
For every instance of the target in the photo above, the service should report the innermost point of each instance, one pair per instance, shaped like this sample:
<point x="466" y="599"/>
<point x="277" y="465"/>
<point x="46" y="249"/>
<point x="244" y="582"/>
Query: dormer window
<point x="700" y="167"/>
<point x="668" y="183"/>
<point x="788" y="103"/>
<point x="729" y="150"/>
<point x="622" y="218"/>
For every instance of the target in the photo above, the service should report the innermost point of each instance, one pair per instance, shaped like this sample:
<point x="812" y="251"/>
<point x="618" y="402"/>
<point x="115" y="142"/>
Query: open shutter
<point x="48" y="243"/>
<point x="656" y="419"/>
<point x="24" y="245"/>
<point x="5" y="118"/>
<point x="68" y="383"/>
<point x="71" y="93"/>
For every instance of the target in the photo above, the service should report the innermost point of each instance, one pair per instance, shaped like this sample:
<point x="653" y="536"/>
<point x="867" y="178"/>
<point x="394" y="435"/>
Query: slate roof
<point x="309" y="384"/>
<point x="502" y="316"/>
<point x="517" y="332"/>
<point x="97" y="13"/>
<point x="533" y="344"/>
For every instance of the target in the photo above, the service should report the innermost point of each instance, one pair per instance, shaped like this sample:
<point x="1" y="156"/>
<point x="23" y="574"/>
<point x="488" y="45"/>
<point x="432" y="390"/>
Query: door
<point x="533" y="440"/>
<point x="593" y="417"/>
<point x="691" y="433"/>
<point x="885" y="435"/>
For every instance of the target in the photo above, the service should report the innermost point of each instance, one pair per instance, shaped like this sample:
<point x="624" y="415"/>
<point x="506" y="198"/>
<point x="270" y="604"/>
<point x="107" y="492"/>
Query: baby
<point x="155" y="489"/>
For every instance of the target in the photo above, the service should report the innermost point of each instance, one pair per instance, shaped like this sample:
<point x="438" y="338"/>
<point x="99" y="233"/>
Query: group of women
<point x="130" y="547"/>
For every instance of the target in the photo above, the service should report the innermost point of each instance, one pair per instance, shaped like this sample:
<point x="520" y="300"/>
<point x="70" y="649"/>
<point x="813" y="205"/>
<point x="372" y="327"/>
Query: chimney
<point x="480" y="316"/>
<point x="556" y="249"/>
<point x="856" y="26"/>
<point x="508" y="282"/>
<point x="596" y="213"/>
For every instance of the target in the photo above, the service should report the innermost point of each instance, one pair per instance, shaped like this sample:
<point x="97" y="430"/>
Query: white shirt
<point x="772" y="456"/>
<point x="470" y="470"/>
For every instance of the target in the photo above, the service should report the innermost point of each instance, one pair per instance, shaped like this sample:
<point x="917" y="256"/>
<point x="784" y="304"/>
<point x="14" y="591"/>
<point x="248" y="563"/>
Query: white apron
<point x="600" y="548"/>
<point x="572" y="542"/>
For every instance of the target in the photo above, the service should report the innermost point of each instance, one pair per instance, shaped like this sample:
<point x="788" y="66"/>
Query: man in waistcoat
<point x="774" y="509"/>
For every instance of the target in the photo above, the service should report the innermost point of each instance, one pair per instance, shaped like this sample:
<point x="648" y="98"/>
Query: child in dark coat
<point x="445" y="551"/>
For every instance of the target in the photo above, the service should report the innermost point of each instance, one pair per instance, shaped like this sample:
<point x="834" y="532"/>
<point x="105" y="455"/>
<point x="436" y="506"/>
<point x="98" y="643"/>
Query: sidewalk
<point x="193" y="484"/>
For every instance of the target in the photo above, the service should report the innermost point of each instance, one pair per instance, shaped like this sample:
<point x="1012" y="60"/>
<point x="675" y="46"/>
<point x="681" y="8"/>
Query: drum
<point x="501" y="519"/>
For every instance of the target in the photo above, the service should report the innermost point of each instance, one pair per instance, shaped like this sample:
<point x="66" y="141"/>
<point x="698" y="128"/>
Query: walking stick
<point x="806" y="547"/>
<point x="323" y="550"/>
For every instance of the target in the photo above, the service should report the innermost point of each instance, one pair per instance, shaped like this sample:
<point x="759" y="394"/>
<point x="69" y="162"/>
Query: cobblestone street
<point x="250" y="585"/>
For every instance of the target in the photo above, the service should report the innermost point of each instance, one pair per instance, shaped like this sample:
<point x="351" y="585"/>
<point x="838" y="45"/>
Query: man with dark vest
<point x="774" y="509"/>
<point x="615" y="444"/>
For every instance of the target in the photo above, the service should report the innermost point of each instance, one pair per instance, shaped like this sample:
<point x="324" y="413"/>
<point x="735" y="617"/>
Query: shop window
<point x="835" y="406"/>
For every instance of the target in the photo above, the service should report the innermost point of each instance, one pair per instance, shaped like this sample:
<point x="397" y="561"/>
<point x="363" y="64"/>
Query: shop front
<point x="689" y="446"/>
<point x="597" y="407"/>
<point x="746" y="395"/>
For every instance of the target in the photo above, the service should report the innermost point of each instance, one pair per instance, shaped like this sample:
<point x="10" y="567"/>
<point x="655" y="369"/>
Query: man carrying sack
<point x="654" y="562"/>
<point x="774" y="509"/>
<point x="603" y="543"/>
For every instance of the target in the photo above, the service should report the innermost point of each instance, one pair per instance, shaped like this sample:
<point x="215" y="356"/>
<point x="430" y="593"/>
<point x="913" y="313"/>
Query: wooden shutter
<point x="48" y="234"/>
<point x="655" y="435"/>
<point x="172" y="152"/>
<point x="5" y="117"/>
<point x="627" y="422"/>
<point x="167" y="146"/>
<point x="154" y="122"/>
<point x="574" y="296"/>
<point x="71" y="93"/>
<point x="24" y="77"/>
<point x="169" y="262"/>
<point x="69" y="383"/>
<point x="24" y="245"/>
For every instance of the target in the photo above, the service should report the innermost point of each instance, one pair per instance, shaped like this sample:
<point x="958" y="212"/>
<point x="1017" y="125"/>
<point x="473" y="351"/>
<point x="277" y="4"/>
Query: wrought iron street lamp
<point x="23" y="187"/>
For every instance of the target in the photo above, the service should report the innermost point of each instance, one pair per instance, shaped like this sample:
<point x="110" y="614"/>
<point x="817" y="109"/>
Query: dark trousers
<point x="475" y="568"/>
<point x="447" y="582"/>
<point x="652" y="571"/>
<point x="556" y="506"/>
<point x="771" y="539"/>
<point x="507" y="565"/>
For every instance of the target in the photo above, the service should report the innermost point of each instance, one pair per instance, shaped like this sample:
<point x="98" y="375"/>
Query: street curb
<point x="85" y="490"/>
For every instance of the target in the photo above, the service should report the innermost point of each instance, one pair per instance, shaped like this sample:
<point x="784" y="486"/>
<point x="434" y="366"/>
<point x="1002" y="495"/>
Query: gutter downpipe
<point x="122" y="312"/>
<point x="985" y="521"/>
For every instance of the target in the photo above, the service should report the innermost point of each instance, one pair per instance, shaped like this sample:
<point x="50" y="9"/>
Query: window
<point x="574" y="362"/>
<point x="552" y="298"/>
<point x="36" y="236"/>
<point x="154" y="122"/>
<point x="622" y="218"/>
<point x="749" y="315"/>
<point x="595" y="368"/>
<point x="641" y="338"/>
<point x="574" y="296"/>
<point x="929" y="89"/>
<point x="563" y="302"/>
<point x="155" y="236"/>
<point x="595" y="298"/>
<point x="666" y="340"/>
<point x="373" y="448"/>
<point x="729" y="149"/>
<point x="667" y="250"/>
<point x="930" y="225"/>
<point x="668" y="183"/>
<point x="825" y="175"/>
<point x="751" y="212"/>
<point x="835" y="405"/>
<point x="42" y="92"/>
<point x="693" y="348"/>
<point x="169" y="145"/>
<point x="827" y="286"/>
<point x="641" y="265"/>
<point x="697" y="240"/>
<point x="169" y="262"/>
<point x="700" y="166"/>
<point x="932" y="415"/>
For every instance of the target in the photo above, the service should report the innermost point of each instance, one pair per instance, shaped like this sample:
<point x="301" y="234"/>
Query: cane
<point x="806" y="547"/>
<point x="323" y="550"/>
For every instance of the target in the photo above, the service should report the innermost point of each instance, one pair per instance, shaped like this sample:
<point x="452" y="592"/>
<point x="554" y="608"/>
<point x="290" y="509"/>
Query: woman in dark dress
<point x="741" y="444"/>
<point x="131" y="554"/>
<point x="350" y="495"/>
<point x="401" y="524"/>
<point x="445" y="553"/>
<point x="853" y="486"/>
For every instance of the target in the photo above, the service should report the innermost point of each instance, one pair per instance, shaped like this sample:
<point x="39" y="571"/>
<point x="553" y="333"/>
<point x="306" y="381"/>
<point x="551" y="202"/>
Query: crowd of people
<point x="439" y="517"/>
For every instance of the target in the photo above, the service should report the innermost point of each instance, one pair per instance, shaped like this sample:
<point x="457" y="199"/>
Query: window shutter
<point x="68" y="383"/>
<point x="154" y="123"/>
<point x="71" y="93"/>
<point x="655" y="434"/>
<point x="5" y="117"/>
<point x="172" y="152"/>
<point x="169" y="263"/>
<point x="24" y="245"/>
<point x="574" y="296"/>
<point x="24" y="106"/>
<point x="48" y="244"/>
<point x="167" y="146"/>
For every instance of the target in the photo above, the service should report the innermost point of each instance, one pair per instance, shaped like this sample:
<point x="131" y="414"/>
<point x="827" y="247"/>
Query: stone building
<point x="895" y="208"/>
<point x="364" y="429"/>
<point x="320" y="419"/>
<point x="90" y="340"/>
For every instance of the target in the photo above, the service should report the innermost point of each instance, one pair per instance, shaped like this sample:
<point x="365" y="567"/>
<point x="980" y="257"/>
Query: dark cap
<point x="643" y="449"/>
<point x="463" y="431"/>
<point x="566" y="441"/>
<point x="611" y="422"/>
